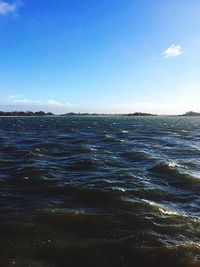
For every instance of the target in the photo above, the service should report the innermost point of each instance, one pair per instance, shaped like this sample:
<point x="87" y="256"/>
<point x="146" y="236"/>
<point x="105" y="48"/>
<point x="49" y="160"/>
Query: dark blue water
<point x="100" y="191"/>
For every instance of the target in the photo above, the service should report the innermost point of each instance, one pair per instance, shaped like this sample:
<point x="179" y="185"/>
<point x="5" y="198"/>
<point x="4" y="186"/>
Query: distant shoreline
<point x="72" y="114"/>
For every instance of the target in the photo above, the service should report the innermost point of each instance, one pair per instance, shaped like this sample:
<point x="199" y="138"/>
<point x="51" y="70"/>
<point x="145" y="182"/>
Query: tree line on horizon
<point x="42" y="113"/>
<point x="25" y="113"/>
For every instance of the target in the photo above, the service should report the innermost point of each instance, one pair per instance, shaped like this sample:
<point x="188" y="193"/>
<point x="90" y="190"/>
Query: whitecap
<point x="125" y="132"/>
<point x="163" y="209"/>
<point x="118" y="188"/>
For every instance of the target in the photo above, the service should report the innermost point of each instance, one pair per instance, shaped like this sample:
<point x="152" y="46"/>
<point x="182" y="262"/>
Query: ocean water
<point x="100" y="191"/>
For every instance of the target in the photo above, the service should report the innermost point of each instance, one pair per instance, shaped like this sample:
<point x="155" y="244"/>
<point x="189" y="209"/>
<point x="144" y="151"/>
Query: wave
<point x="105" y="191"/>
<point x="164" y="210"/>
<point x="174" y="175"/>
<point x="138" y="156"/>
<point x="111" y="138"/>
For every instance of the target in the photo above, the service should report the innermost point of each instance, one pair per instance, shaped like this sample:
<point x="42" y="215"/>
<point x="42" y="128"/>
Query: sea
<point x="100" y="191"/>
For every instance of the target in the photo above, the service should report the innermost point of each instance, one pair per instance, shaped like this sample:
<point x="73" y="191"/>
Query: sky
<point x="108" y="56"/>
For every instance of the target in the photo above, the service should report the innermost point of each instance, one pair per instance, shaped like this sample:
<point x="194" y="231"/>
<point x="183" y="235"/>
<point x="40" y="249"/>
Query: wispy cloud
<point x="8" y="8"/>
<point x="56" y="103"/>
<point x="14" y="96"/>
<point x="26" y="101"/>
<point x="20" y="99"/>
<point x="173" y="51"/>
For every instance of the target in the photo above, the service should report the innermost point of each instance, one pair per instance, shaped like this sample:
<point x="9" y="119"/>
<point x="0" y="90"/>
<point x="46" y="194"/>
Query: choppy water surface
<point x="106" y="191"/>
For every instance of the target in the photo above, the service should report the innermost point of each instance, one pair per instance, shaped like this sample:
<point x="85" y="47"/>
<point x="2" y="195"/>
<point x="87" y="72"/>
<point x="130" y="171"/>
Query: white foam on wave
<point x="92" y="148"/>
<point x="172" y="164"/>
<point x="125" y="132"/>
<point x="161" y="208"/>
<point x="183" y="169"/>
<point x="109" y="136"/>
<point x="166" y="211"/>
<point x="118" y="188"/>
<point x="113" y="138"/>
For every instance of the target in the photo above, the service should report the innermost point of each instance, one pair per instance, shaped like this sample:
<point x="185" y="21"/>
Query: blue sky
<point x="107" y="56"/>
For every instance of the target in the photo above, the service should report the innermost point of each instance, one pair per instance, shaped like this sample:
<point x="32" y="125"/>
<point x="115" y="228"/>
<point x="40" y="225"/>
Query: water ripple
<point x="100" y="191"/>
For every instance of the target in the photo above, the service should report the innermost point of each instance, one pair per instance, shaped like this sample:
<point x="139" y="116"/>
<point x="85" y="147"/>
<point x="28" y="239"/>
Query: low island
<point x="25" y="113"/>
<point x="191" y="114"/>
<point x="141" y="114"/>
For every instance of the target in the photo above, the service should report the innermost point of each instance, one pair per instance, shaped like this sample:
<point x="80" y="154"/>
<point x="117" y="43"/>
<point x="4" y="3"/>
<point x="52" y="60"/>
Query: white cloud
<point x="14" y="96"/>
<point x="6" y="8"/>
<point x="26" y="101"/>
<point x="20" y="102"/>
<point x="54" y="103"/>
<point x="21" y="99"/>
<point x="173" y="51"/>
